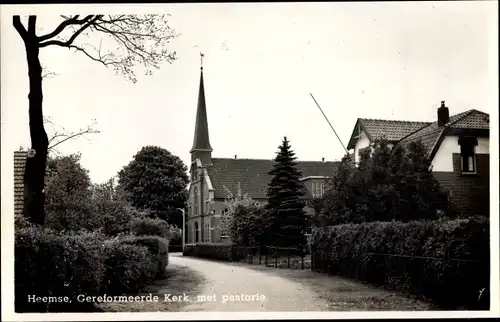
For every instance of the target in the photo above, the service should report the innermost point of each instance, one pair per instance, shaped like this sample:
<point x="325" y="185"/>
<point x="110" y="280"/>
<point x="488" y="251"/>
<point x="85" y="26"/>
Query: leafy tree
<point x="341" y="197"/>
<point x="420" y="194"/>
<point x="248" y="225"/>
<point x="68" y="201"/>
<point x="155" y="180"/>
<point x="233" y="201"/>
<point x="111" y="207"/>
<point x="285" y="207"/>
<point x="389" y="184"/>
<point x="141" y="40"/>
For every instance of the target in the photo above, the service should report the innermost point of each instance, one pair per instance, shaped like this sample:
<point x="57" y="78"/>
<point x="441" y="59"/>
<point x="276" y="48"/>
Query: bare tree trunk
<point x="34" y="175"/>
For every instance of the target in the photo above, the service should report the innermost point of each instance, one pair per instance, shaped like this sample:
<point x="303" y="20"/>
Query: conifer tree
<point x="285" y="207"/>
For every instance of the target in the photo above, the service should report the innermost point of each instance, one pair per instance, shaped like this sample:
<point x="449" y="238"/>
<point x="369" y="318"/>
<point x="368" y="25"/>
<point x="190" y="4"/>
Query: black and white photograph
<point x="264" y="160"/>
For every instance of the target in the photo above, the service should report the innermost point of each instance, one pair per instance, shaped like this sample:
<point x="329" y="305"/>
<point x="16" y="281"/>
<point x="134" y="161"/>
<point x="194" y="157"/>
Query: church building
<point x="211" y="179"/>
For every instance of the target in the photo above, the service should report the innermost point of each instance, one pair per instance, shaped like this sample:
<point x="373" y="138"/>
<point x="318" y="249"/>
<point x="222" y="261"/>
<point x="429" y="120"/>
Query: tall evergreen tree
<point x="285" y="207"/>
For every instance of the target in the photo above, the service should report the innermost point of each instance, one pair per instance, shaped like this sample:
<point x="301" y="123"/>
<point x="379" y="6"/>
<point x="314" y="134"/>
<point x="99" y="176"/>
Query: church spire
<point x="201" y="145"/>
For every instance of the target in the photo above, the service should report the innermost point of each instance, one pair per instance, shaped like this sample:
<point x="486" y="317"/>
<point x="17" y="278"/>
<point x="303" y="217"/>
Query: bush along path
<point x="178" y="279"/>
<point x="70" y="268"/>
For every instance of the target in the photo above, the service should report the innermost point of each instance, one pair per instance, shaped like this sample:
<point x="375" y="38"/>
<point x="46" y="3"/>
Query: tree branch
<point x="66" y="135"/>
<point x="18" y="25"/>
<point x="71" y="136"/>
<point x="63" y="25"/>
<point x="89" y="22"/>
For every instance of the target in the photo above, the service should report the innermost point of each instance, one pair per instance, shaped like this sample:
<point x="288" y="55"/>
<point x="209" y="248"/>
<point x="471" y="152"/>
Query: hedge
<point x="128" y="268"/>
<point x="234" y="253"/>
<point x="59" y="264"/>
<point x="48" y="263"/>
<point x="446" y="261"/>
<point x="150" y="227"/>
<point x="157" y="247"/>
<point x="219" y="251"/>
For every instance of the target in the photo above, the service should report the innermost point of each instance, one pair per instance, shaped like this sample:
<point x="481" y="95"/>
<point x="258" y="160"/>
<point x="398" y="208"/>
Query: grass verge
<point x="178" y="280"/>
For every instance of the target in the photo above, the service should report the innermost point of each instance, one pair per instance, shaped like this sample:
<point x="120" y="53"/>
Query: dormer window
<point x="318" y="189"/>
<point x="467" y="154"/>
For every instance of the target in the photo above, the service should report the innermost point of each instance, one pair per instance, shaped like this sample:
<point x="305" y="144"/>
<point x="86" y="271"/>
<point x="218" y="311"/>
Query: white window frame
<point x="318" y="189"/>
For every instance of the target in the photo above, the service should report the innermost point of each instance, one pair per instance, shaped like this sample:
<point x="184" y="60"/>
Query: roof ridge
<point x="297" y="160"/>
<point x="386" y="120"/>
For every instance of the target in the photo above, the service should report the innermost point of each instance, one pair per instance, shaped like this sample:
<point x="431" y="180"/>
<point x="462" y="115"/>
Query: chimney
<point x="323" y="160"/>
<point x="443" y="114"/>
<point x="235" y="157"/>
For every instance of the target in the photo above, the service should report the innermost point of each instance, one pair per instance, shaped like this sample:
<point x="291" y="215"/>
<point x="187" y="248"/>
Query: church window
<point x="207" y="232"/>
<point x="195" y="202"/>
<point x="196" y="232"/>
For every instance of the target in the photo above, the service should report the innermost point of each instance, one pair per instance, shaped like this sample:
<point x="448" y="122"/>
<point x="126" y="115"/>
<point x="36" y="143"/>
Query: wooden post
<point x="288" y="257"/>
<point x="275" y="257"/>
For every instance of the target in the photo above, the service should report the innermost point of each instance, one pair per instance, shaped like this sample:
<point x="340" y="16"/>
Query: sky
<point x="262" y="60"/>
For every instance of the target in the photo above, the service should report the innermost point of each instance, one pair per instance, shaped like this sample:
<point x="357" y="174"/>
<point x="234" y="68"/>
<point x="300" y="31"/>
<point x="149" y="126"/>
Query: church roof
<point x="201" y="140"/>
<point x="252" y="174"/>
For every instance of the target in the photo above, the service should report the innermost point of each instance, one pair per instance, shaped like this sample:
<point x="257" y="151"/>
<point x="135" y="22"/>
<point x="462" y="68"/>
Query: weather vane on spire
<point x="201" y="57"/>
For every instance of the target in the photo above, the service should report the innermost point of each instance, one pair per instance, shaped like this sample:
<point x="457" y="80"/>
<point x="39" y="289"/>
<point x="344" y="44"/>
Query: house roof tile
<point x="391" y="130"/>
<point x="430" y="134"/>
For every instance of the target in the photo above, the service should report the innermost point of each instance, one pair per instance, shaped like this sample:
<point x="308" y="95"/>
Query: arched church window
<point x="195" y="201"/>
<point x="196" y="231"/>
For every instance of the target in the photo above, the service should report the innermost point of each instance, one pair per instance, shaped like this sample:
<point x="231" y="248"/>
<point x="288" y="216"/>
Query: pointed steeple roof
<point x="201" y="139"/>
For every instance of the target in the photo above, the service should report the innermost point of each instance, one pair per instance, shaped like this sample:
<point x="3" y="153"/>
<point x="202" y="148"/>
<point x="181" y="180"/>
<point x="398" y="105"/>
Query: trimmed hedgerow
<point x="57" y="264"/>
<point x="157" y="248"/>
<point x="128" y="267"/>
<point x="219" y="251"/>
<point x="443" y="260"/>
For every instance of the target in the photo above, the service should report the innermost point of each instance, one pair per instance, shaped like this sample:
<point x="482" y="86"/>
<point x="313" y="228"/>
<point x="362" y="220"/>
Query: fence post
<point x="275" y="257"/>
<point x="260" y="257"/>
<point x="288" y="257"/>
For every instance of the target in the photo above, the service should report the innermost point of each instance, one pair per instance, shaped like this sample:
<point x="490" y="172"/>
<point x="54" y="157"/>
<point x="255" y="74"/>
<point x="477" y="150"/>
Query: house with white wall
<point x="457" y="145"/>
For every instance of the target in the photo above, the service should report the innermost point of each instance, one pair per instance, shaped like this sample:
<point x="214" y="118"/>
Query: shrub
<point x="50" y="263"/>
<point x="422" y="263"/>
<point x="21" y="222"/>
<point x="388" y="184"/>
<point x="109" y="204"/>
<point x="157" y="247"/>
<point x="128" y="267"/>
<point x="68" y="195"/>
<point x="154" y="227"/>
<point x="248" y="225"/>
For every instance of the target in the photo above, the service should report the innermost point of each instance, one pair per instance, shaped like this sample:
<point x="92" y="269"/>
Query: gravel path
<point x="236" y="288"/>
